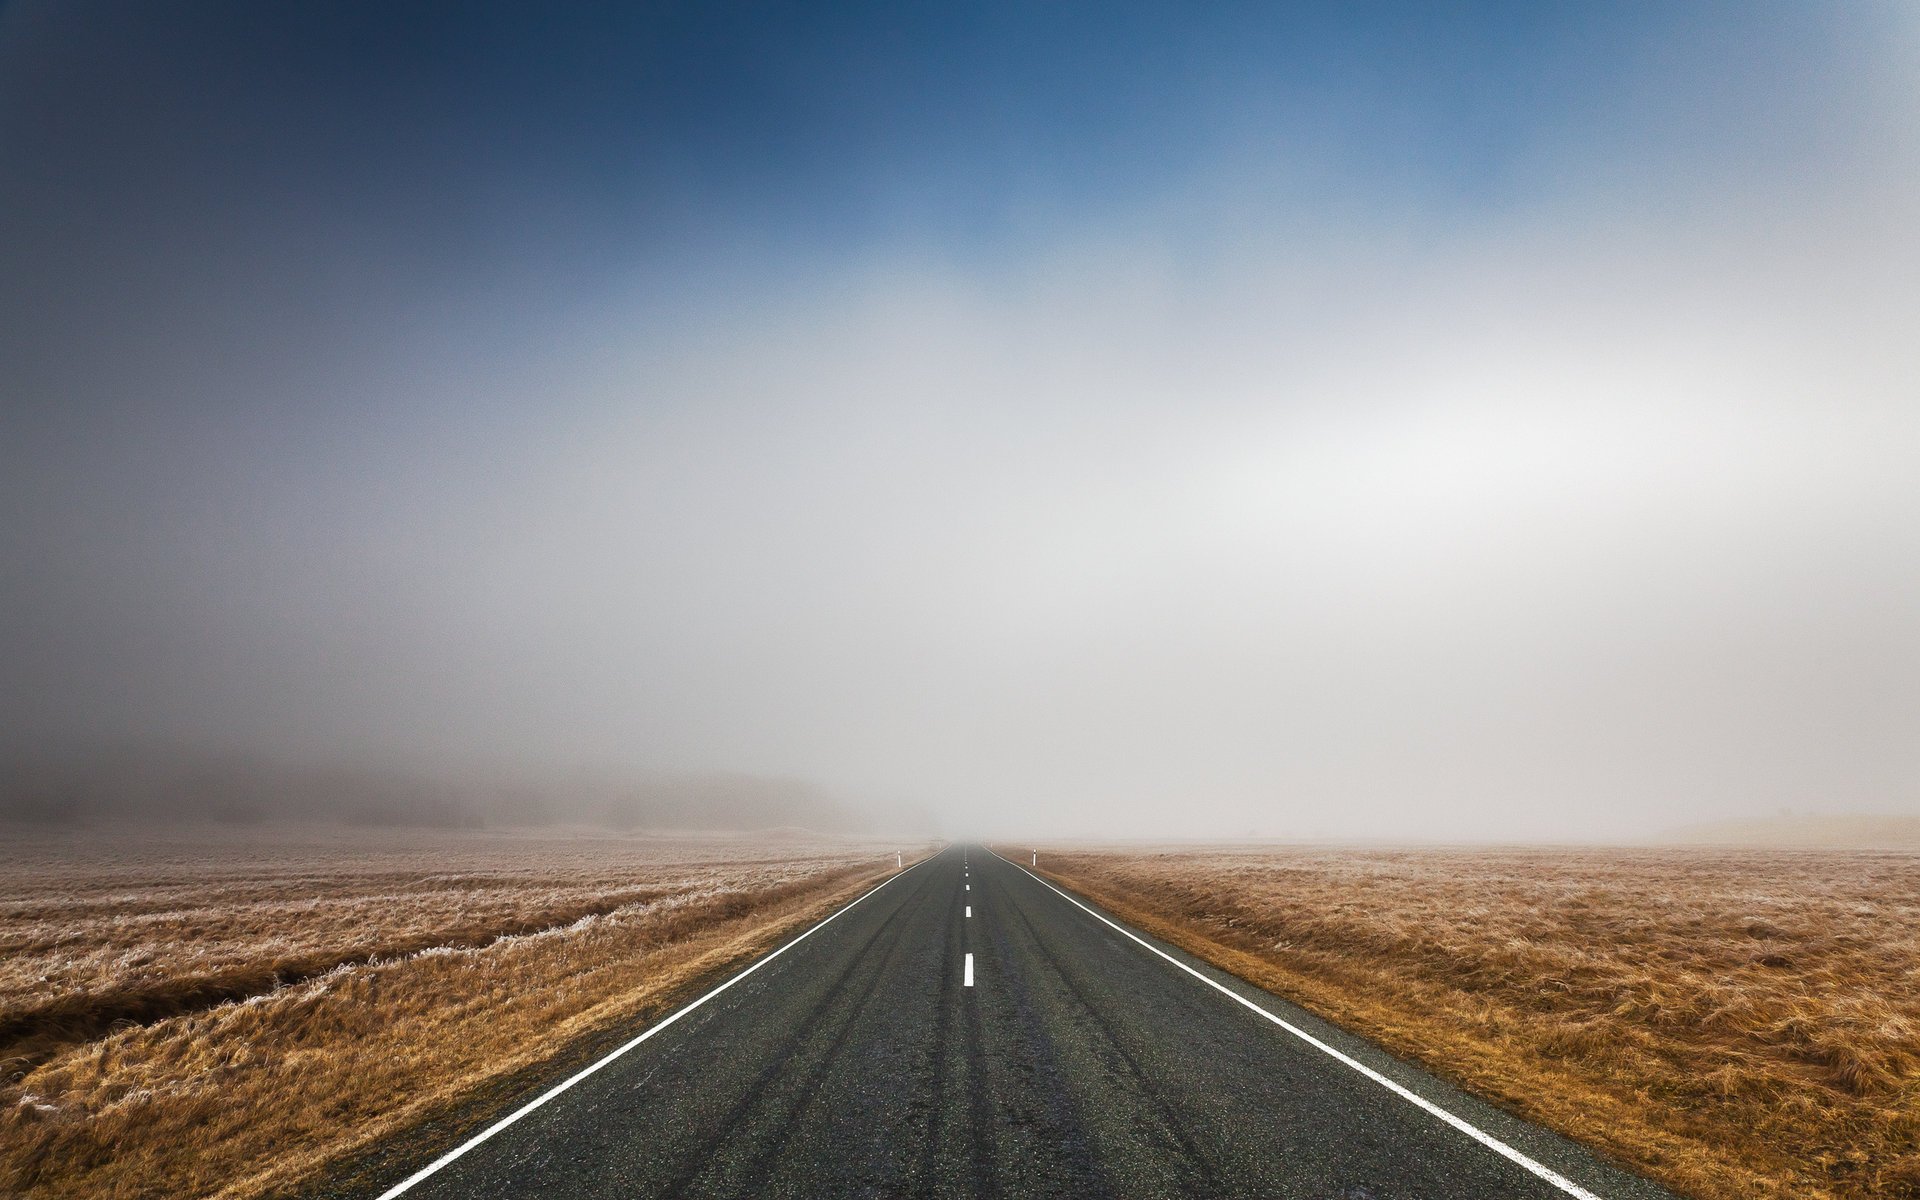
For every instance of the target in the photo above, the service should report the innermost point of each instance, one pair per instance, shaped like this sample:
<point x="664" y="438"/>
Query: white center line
<point x="969" y="910"/>
<point x="1473" y="1131"/>
<point x="969" y="980"/>
<point x="969" y="887"/>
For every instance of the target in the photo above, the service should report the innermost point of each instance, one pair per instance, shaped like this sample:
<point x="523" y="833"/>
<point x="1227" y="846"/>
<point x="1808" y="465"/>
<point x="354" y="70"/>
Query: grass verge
<point x="1734" y="1024"/>
<point x="531" y="947"/>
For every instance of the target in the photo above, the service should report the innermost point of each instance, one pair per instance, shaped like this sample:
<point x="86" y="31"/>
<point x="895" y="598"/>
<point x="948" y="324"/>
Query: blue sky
<point x="1466" y="419"/>
<point x="464" y="133"/>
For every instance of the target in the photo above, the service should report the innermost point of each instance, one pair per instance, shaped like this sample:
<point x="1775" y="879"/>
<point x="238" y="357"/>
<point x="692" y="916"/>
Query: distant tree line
<point x="236" y="790"/>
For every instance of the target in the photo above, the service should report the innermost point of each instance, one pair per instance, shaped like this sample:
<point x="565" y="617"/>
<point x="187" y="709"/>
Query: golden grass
<point x="1736" y="1024"/>
<point x="223" y="1019"/>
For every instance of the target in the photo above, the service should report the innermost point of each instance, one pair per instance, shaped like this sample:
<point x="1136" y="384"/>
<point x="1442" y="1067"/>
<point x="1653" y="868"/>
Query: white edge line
<point x="1473" y="1131"/>
<point x="435" y="1166"/>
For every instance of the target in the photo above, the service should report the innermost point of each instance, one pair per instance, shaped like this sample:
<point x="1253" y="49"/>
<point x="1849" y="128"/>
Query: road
<point x="968" y="1030"/>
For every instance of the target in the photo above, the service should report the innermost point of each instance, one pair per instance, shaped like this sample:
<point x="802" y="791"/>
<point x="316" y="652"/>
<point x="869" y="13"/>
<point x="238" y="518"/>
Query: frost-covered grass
<point x="1736" y="1023"/>
<point x="197" y="1016"/>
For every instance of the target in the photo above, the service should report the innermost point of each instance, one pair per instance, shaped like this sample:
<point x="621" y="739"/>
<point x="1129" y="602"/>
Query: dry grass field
<point x="220" y="1017"/>
<point x="1735" y="1023"/>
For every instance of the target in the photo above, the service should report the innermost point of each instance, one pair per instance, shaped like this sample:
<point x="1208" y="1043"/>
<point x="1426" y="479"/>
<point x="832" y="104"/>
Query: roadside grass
<point x="1736" y="1024"/>
<point x="225" y="1018"/>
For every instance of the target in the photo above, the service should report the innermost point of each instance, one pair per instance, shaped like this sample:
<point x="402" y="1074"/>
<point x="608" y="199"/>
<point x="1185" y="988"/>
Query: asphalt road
<point x="1079" y="1062"/>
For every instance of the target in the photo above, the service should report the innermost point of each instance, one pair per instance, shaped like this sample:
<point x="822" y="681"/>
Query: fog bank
<point x="1402" y="424"/>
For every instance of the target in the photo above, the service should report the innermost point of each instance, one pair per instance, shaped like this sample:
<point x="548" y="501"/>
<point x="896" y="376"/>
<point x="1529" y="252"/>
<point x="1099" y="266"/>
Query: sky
<point x="1438" y="421"/>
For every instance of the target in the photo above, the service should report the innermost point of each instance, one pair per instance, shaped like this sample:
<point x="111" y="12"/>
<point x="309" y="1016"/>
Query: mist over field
<point x="1426" y="423"/>
<point x="145" y="789"/>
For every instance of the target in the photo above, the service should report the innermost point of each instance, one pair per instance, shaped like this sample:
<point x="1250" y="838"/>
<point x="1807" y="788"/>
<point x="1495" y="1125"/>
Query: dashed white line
<point x="1473" y="1131"/>
<point x="434" y="1166"/>
<point x="969" y="980"/>
<point x="969" y="911"/>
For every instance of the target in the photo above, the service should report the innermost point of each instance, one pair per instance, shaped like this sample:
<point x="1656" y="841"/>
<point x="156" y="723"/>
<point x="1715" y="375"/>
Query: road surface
<point x="968" y="1030"/>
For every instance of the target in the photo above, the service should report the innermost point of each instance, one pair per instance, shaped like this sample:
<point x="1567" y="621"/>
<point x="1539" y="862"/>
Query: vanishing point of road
<point x="968" y="1030"/>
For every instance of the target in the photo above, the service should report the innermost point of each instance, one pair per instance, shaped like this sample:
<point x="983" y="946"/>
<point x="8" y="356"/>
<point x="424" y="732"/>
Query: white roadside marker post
<point x="1036" y="858"/>
<point x="899" y="860"/>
